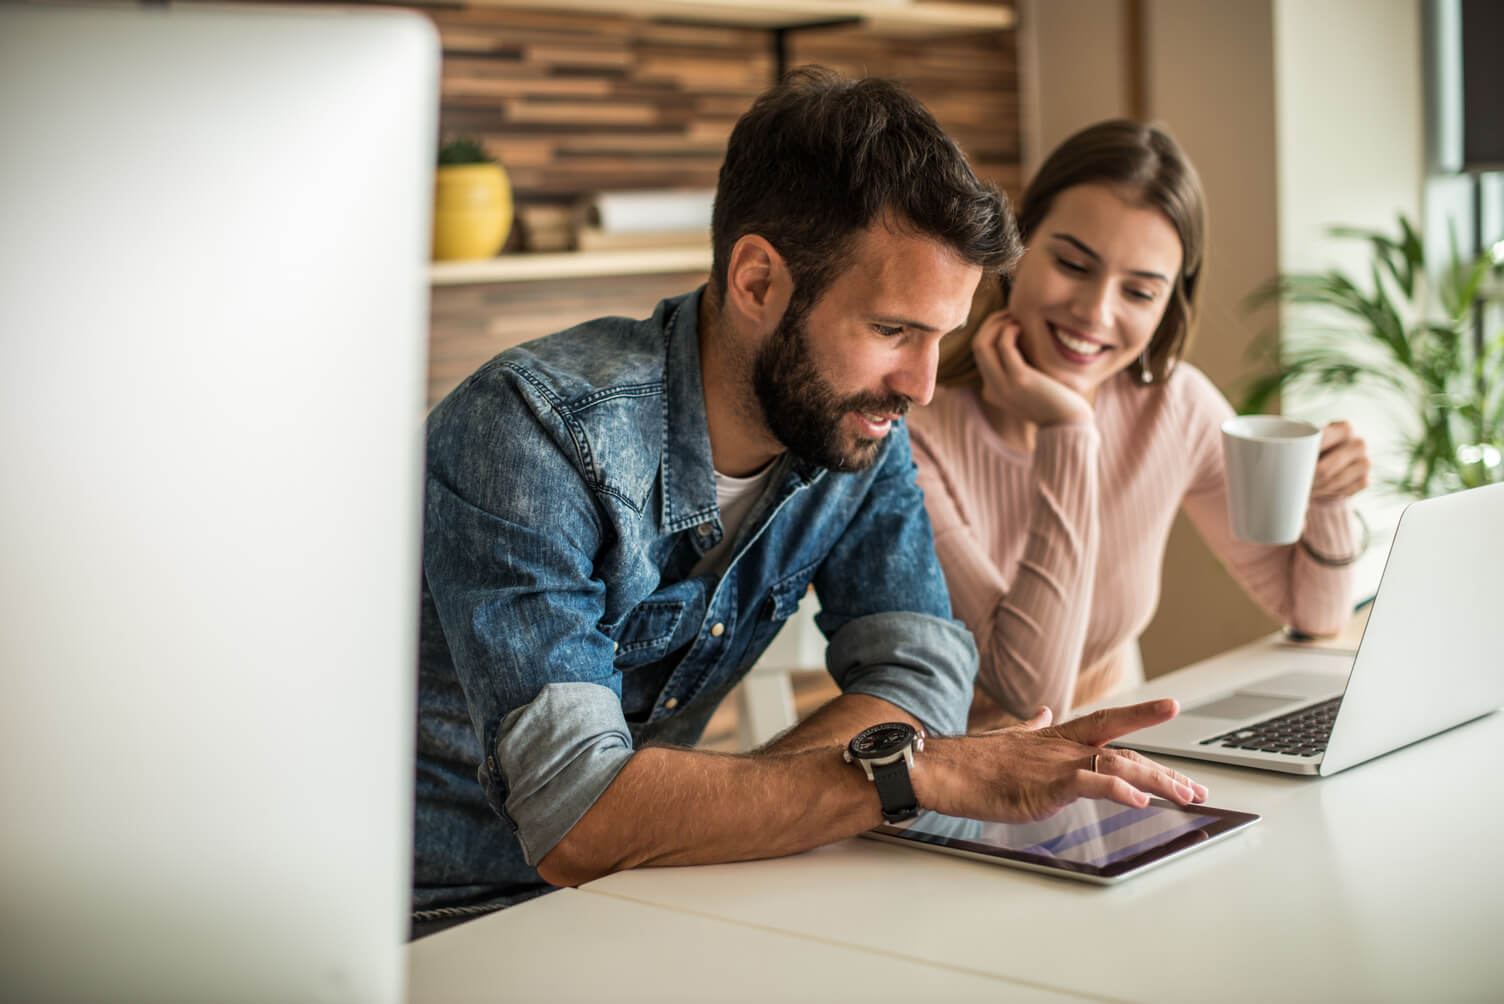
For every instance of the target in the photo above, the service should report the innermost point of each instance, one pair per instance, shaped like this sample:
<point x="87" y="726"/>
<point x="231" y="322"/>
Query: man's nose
<point x="915" y="379"/>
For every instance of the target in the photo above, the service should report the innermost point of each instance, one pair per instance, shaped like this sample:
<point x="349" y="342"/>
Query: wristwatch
<point x="885" y="753"/>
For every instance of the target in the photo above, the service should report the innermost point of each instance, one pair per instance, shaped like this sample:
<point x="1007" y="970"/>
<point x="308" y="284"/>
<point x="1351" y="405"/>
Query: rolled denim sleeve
<point x="884" y="604"/>
<point x="912" y="660"/>
<point x="510" y="531"/>
<point x="560" y="752"/>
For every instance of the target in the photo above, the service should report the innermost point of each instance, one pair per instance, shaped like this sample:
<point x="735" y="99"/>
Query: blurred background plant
<point x="1412" y="334"/>
<point x="463" y="150"/>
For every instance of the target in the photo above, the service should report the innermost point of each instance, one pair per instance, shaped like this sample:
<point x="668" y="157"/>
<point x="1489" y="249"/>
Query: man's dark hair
<point x="818" y="158"/>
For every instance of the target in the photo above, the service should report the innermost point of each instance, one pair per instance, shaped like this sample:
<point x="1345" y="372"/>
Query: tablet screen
<point x="1090" y="838"/>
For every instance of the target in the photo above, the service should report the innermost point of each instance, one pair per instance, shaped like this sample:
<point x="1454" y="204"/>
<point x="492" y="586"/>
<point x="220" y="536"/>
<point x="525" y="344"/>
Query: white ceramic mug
<point x="1270" y="463"/>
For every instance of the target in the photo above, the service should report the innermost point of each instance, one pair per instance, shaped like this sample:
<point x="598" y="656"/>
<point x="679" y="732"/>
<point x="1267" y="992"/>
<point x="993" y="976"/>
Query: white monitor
<point x="214" y="226"/>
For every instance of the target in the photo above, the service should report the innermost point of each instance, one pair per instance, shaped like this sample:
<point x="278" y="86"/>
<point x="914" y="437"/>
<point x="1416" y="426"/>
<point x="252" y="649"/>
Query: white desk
<point x="1381" y="883"/>
<point x="576" y="946"/>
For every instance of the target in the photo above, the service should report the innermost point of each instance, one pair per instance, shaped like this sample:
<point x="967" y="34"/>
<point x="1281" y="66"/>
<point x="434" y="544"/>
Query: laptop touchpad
<point x="1240" y="706"/>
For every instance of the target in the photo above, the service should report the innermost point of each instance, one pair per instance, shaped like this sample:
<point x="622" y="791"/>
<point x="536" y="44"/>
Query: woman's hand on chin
<point x="1010" y="383"/>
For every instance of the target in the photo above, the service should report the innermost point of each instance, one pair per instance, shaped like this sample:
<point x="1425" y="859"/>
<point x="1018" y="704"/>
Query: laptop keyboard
<point x="1299" y="733"/>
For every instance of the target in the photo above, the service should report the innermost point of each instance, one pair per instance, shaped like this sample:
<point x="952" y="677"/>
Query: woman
<point x="1066" y="432"/>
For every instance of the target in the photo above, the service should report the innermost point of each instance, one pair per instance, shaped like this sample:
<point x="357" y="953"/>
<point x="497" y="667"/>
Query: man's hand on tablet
<point x="1031" y="770"/>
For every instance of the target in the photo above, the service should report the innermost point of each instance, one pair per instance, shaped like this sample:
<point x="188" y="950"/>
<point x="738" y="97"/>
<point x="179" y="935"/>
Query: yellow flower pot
<point x="472" y="211"/>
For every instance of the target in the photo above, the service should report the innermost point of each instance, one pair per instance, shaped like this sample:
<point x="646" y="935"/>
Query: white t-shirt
<point x="735" y="497"/>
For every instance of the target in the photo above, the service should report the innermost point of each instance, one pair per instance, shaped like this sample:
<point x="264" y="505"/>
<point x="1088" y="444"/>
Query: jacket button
<point x="671" y="703"/>
<point x="717" y="629"/>
<point x="704" y="529"/>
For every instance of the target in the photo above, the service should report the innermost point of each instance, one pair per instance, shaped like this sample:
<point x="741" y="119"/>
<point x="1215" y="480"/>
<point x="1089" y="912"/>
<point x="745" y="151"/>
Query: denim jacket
<point x="569" y="495"/>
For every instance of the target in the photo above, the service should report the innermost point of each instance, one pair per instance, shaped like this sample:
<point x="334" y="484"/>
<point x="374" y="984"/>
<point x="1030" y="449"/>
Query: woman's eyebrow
<point x="1084" y="249"/>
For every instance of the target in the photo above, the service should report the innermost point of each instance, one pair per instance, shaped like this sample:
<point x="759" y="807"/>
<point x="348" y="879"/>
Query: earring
<point x="1144" y="376"/>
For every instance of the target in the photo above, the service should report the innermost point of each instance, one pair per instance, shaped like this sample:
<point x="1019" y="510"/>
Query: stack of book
<point x="616" y="221"/>
<point x="548" y="227"/>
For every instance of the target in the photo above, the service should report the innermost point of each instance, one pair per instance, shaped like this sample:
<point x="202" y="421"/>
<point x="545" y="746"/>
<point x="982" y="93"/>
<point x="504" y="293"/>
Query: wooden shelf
<point x="571" y="265"/>
<point x="890" y="17"/>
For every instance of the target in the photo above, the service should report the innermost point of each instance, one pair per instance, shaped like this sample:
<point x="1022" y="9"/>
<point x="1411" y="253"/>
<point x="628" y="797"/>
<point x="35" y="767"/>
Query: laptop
<point x="214" y="231"/>
<point x="1431" y="657"/>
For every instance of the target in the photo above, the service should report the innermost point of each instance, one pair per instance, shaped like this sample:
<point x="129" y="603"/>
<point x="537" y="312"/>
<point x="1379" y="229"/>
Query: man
<point x="620" y="516"/>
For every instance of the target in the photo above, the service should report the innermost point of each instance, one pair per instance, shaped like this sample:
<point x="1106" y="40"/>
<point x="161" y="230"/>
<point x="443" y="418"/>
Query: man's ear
<point x="758" y="285"/>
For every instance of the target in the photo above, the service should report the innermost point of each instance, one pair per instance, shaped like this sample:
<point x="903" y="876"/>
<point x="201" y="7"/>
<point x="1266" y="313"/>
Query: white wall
<point x="1351" y="142"/>
<point x="1351" y="150"/>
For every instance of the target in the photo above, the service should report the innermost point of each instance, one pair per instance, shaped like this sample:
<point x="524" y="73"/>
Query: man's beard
<point x="803" y="410"/>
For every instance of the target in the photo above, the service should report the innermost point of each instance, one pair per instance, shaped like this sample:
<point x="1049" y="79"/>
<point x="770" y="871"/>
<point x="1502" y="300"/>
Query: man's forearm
<point x="693" y="807"/>
<point x="683" y="807"/>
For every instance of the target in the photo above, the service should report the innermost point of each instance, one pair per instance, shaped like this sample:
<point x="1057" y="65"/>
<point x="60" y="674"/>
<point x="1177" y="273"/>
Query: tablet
<point x="1093" y="840"/>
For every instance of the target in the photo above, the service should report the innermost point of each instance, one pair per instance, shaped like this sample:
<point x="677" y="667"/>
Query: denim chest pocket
<point x="647" y="633"/>
<point x="779" y="604"/>
<point x="785" y="594"/>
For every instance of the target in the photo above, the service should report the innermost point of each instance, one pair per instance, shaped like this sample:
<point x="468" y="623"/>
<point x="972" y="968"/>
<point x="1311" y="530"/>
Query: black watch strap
<point x="895" y="791"/>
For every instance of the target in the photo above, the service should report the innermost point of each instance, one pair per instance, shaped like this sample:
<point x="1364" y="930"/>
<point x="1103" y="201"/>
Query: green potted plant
<point x="1410" y="335"/>
<point x="472" y="209"/>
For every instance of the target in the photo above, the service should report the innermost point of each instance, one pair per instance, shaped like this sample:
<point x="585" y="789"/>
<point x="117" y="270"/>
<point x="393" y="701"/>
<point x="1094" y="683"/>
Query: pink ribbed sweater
<point x="1054" y="557"/>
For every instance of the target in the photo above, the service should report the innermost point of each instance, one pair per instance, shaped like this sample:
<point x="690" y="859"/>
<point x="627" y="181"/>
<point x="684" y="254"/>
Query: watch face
<point x="882" y="740"/>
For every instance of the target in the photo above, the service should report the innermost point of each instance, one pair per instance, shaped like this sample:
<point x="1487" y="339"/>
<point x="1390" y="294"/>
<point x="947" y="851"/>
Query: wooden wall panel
<point x="969" y="83"/>
<point x="577" y="103"/>
<point x="573" y="104"/>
